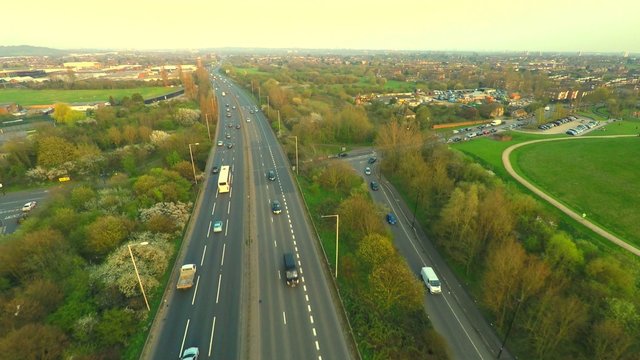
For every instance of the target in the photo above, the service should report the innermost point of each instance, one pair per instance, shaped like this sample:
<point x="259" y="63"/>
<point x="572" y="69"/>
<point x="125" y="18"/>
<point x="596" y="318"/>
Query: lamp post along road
<point x="193" y="166"/>
<point x="337" y="234"/>
<point x="293" y="136"/>
<point x="138" y="274"/>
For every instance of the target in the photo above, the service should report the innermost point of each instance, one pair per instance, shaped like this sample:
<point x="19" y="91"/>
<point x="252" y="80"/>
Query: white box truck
<point x="187" y="273"/>
<point x="431" y="280"/>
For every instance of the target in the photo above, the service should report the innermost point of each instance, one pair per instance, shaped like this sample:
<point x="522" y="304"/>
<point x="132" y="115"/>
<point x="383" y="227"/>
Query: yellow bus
<point x="224" y="179"/>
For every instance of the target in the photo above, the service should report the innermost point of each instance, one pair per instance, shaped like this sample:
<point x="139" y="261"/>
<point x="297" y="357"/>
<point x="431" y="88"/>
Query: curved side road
<point x="507" y="165"/>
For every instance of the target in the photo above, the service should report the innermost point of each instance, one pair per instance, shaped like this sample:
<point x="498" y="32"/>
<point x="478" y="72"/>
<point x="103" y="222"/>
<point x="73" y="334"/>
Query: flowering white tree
<point x="151" y="261"/>
<point x="179" y="212"/>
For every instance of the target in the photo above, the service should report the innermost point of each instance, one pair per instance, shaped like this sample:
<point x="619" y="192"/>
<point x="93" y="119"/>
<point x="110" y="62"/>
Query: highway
<point x="240" y="306"/>
<point x="290" y="322"/>
<point x="209" y="315"/>
<point x="453" y="313"/>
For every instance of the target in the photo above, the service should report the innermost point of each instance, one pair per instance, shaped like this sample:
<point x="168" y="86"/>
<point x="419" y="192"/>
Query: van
<point x="431" y="280"/>
<point x="291" y="272"/>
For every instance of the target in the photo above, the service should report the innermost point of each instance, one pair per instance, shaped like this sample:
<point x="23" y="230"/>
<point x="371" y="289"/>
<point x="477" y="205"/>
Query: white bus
<point x="224" y="179"/>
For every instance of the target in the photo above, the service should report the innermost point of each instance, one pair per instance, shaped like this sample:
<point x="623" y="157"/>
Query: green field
<point x="598" y="177"/>
<point x="27" y="97"/>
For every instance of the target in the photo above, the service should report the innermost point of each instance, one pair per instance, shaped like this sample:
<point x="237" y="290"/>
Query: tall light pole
<point x="206" y="116"/>
<point x="337" y="233"/>
<point x="278" y="122"/>
<point x="293" y="136"/>
<point x="193" y="166"/>
<point x="138" y="274"/>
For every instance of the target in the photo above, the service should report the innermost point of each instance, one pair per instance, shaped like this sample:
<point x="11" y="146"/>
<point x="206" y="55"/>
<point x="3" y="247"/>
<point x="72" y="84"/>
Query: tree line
<point x="67" y="287"/>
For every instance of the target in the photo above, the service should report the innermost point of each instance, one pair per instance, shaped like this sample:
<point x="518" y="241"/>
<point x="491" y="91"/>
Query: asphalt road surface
<point x="453" y="313"/>
<point x="240" y="306"/>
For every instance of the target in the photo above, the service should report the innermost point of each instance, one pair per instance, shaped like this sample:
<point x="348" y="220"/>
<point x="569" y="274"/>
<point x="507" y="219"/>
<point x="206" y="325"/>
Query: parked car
<point x="391" y="219"/>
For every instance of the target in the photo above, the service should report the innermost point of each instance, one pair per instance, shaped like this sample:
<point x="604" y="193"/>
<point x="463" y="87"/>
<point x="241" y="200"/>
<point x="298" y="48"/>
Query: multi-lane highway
<point x="240" y="305"/>
<point x="453" y="313"/>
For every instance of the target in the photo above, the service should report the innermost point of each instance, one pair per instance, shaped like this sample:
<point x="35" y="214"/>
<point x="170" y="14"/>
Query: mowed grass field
<point x="599" y="177"/>
<point x="26" y="97"/>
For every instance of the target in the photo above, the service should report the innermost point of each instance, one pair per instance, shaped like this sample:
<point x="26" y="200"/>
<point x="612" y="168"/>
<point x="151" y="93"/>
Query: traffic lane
<point x="450" y="320"/>
<point x="326" y="330"/>
<point x="11" y="207"/>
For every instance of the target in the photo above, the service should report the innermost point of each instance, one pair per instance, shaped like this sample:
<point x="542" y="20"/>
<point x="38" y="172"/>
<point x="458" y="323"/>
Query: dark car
<point x="215" y="169"/>
<point x="391" y="219"/>
<point x="342" y="154"/>
<point x="275" y="207"/>
<point x="271" y="175"/>
<point x="372" y="159"/>
<point x="229" y="145"/>
<point x="375" y="186"/>
<point x="238" y="126"/>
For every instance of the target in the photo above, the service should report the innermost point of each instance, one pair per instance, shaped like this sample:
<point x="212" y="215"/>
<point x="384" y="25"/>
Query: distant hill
<point x="27" y="50"/>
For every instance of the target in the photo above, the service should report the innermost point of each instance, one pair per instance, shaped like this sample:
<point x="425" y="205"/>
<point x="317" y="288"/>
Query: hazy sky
<point x="512" y="25"/>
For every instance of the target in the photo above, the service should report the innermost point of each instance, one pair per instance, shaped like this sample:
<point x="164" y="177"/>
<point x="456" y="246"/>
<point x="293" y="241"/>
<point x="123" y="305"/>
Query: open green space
<point x="26" y="97"/>
<point x="250" y="71"/>
<point x="598" y="177"/>
<point x="488" y="150"/>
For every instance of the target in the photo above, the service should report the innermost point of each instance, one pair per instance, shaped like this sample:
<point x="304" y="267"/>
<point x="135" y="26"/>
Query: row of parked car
<point x="558" y="122"/>
<point x="581" y="128"/>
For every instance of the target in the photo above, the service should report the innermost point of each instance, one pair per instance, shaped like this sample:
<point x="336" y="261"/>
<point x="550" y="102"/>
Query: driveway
<point x="507" y="164"/>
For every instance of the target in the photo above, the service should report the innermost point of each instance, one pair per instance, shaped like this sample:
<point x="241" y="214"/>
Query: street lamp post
<point x="206" y="116"/>
<point x="138" y="274"/>
<point x="415" y="208"/>
<point x="337" y="233"/>
<point x="506" y="335"/>
<point x="293" y="136"/>
<point x="193" y="166"/>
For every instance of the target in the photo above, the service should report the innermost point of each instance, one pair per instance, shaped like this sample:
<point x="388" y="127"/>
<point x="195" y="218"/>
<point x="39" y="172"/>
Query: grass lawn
<point x="249" y="71"/>
<point x="488" y="151"/>
<point x="26" y="97"/>
<point x="596" y="176"/>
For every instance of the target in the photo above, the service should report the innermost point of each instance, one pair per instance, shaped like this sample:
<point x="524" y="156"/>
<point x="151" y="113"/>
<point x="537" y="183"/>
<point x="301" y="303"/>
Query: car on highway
<point x="191" y="353"/>
<point x="215" y="169"/>
<point x="374" y="186"/>
<point x="248" y="119"/>
<point x="228" y="136"/>
<point x="229" y="145"/>
<point x="29" y="206"/>
<point x="237" y="126"/>
<point x="372" y="160"/>
<point x="391" y="219"/>
<point x="220" y="142"/>
<point x="217" y="226"/>
<point x="228" y="114"/>
<point x="275" y="207"/>
<point x="367" y="171"/>
<point x="271" y="175"/>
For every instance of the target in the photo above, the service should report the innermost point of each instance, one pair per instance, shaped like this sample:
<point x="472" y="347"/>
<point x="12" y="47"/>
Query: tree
<point x="130" y="134"/>
<point x="114" y="135"/>
<point x="609" y="340"/>
<point x="115" y="327"/>
<point x="561" y="253"/>
<point x="395" y="141"/>
<point x="374" y="250"/>
<point x="360" y="216"/>
<point x="495" y="217"/>
<point x="54" y="151"/>
<point x="35" y="341"/>
<point x="338" y="175"/>
<point x="423" y="117"/>
<point x="105" y="234"/>
<point x="63" y="113"/>
<point x="458" y="227"/>
<point x="393" y="286"/>
<point x="82" y="196"/>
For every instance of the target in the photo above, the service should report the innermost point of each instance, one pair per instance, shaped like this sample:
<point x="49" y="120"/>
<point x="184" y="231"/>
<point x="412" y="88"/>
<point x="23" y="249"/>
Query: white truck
<point x="496" y="122"/>
<point x="431" y="280"/>
<point x="187" y="273"/>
